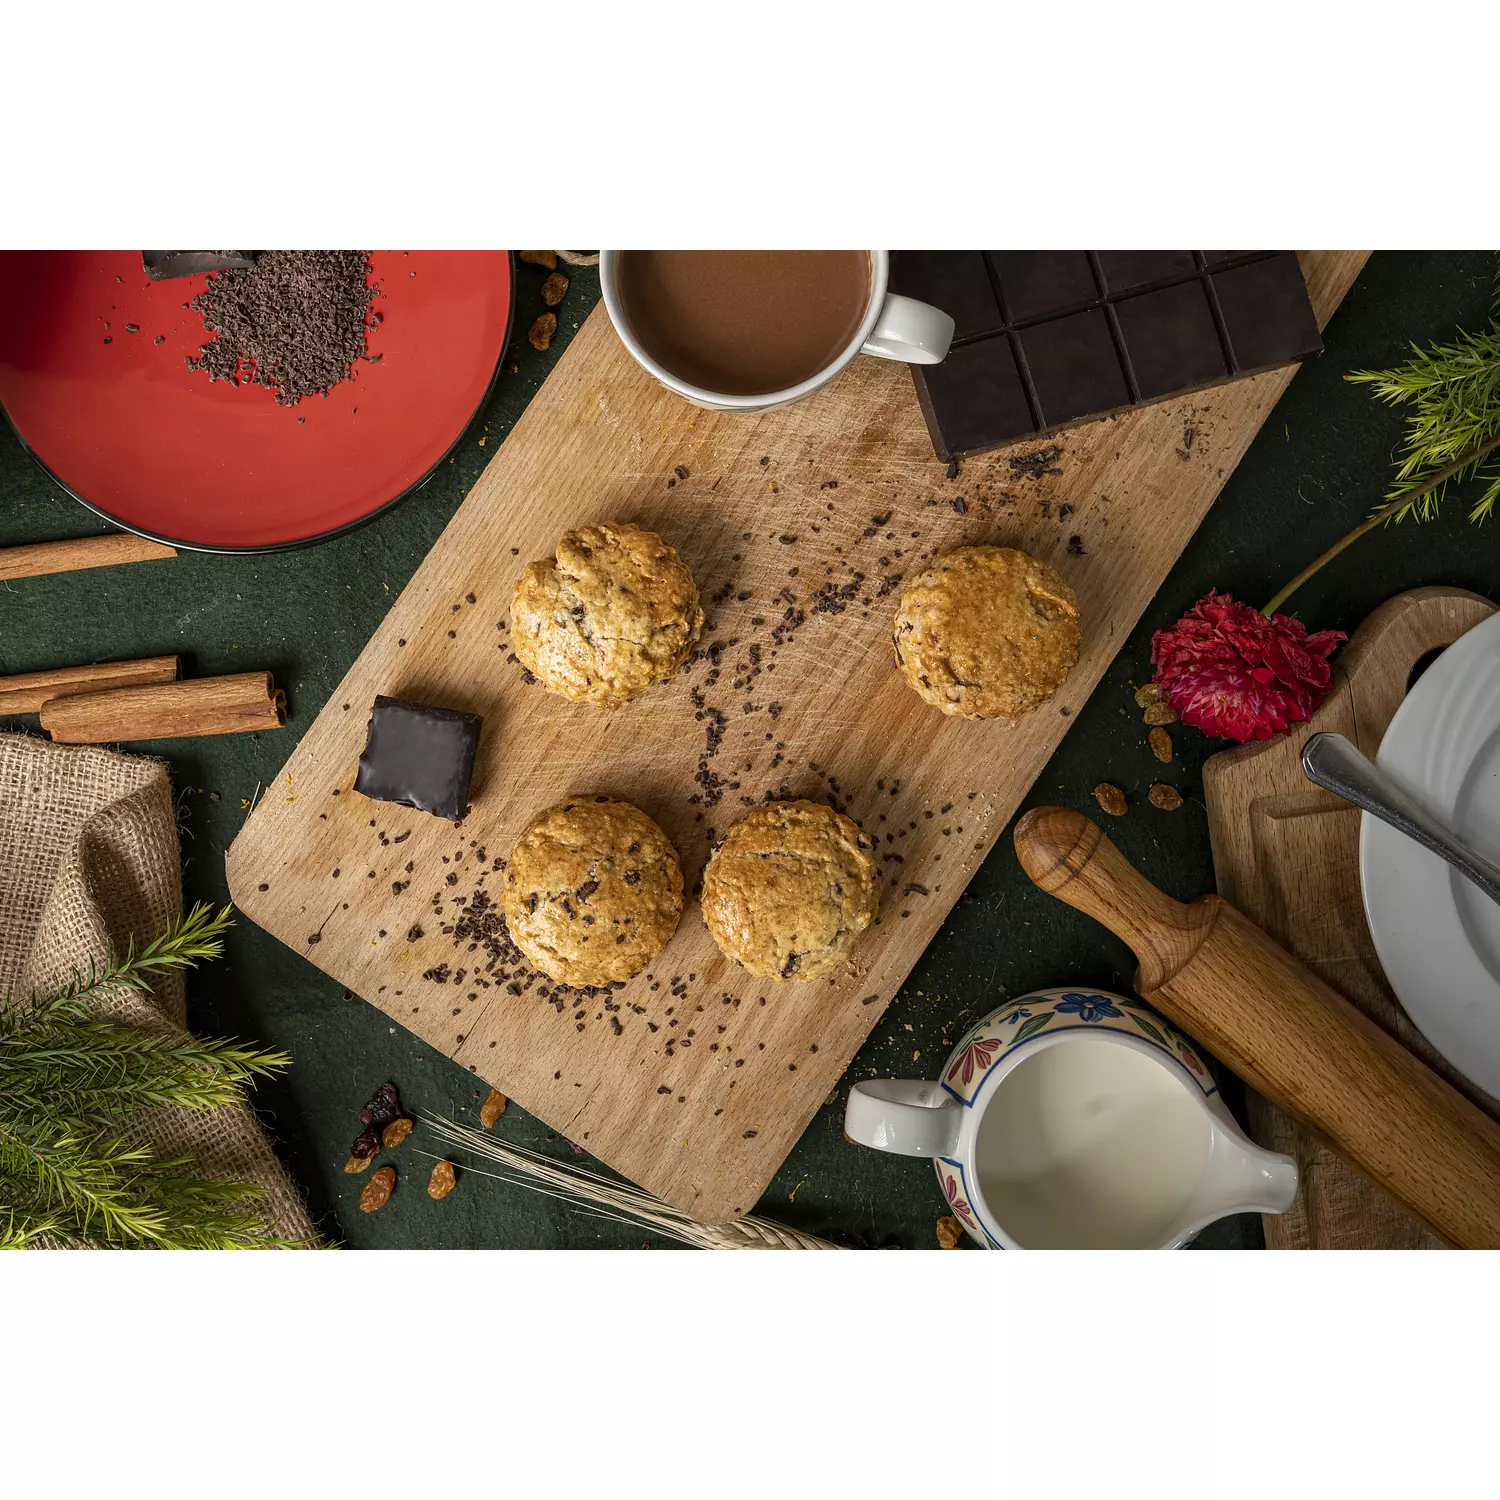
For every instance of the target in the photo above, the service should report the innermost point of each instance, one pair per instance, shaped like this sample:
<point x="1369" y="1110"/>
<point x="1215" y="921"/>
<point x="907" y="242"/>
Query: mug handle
<point x="909" y="1116"/>
<point x="911" y="331"/>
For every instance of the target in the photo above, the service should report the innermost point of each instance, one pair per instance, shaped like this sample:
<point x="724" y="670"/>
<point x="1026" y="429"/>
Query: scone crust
<point x="789" y="889"/>
<point x="614" y="612"/>
<point x="987" y="632"/>
<point x="593" y="891"/>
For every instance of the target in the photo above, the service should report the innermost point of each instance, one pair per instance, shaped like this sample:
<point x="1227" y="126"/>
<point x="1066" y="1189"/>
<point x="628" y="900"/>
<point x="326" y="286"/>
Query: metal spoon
<point x="1332" y="762"/>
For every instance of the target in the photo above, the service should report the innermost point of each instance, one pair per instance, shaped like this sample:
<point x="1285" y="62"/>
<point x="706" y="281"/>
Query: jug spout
<point x="1245" y="1178"/>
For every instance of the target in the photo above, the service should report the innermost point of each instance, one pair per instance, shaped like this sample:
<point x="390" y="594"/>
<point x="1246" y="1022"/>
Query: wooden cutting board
<point x="1287" y="854"/>
<point x="798" y="524"/>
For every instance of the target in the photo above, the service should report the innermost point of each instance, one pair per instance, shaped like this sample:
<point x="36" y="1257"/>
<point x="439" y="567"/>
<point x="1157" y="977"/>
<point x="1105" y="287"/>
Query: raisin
<point x="366" y="1143"/>
<point x="542" y="331"/>
<point x="378" y="1190"/>
<point x="554" y="289"/>
<point x="1168" y="798"/>
<point x="359" y="1163"/>
<point x="1111" y="799"/>
<point x="950" y="1233"/>
<point x="396" y="1132"/>
<point x="546" y="258"/>
<point x="1161" y="744"/>
<point x="440" y="1184"/>
<point x="1159" y="713"/>
<point x="384" y="1106"/>
<point x="492" y="1108"/>
<point x="1147" y="694"/>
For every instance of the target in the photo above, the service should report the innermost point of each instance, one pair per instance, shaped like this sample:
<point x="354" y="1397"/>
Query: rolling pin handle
<point x="1069" y="857"/>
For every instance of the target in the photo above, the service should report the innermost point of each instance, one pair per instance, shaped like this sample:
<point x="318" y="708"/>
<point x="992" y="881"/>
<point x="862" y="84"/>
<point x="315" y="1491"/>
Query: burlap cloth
<point x="88" y="861"/>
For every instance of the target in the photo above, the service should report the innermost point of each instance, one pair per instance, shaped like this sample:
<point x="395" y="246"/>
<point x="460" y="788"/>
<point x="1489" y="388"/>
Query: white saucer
<point x="1437" y="935"/>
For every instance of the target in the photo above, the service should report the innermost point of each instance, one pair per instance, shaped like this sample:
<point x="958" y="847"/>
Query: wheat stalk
<point x="589" y="1193"/>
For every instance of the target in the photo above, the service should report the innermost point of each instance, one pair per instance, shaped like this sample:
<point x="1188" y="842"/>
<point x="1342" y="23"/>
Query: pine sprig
<point x="1452" y="396"/>
<point x="70" y="1079"/>
<point x="191" y="939"/>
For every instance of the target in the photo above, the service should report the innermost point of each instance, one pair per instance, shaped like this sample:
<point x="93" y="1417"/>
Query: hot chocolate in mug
<point x="746" y="330"/>
<point x="1073" y="1119"/>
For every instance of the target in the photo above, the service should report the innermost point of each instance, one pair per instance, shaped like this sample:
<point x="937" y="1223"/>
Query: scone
<point x="593" y="891"/>
<point x="789" y="889"/>
<point x="614" y="612"/>
<point x="987" y="632"/>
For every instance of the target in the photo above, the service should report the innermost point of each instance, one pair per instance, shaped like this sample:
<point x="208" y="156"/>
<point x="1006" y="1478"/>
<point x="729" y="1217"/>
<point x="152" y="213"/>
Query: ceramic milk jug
<point x="1072" y="1119"/>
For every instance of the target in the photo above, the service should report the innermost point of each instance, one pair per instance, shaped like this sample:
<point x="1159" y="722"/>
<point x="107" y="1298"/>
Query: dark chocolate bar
<point x="419" y="756"/>
<point x="167" y="265"/>
<point x="1048" y="338"/>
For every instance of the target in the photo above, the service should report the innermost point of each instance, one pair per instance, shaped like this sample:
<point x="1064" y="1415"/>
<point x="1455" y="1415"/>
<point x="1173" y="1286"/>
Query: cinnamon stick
<point x="79" y="552"/>
<point x="167" y="711"/>
<point x="26" y="692"/>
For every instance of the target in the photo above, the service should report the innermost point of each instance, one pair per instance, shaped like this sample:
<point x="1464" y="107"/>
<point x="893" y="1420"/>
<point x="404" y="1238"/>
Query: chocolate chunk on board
<point x="1050" y="338"/>
<point x="419" y="756"/>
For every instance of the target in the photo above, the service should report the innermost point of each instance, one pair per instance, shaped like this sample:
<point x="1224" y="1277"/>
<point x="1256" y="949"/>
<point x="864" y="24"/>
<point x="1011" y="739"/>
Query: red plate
<point x="129" y="430"/>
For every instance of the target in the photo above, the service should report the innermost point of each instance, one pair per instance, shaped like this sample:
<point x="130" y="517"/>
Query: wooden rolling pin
<point x="1285" y="1032"/>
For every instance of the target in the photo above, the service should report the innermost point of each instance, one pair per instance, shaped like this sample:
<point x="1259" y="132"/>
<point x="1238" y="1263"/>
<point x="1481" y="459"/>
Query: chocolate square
<point x="1034" y="283"/>
<point x="1170" y="339"/>
<point x="1075" y="371"/>
<point x="974" y="399"/>
<point x="1124" y="270"/>
<point x="957" y="281"/>
<point x="1266" y="312"/>
<point x="1219" y="257"/>
<point x="419" y="756"/>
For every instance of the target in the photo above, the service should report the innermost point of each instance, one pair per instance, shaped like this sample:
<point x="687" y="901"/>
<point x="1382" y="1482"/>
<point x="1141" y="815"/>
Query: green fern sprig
<point x="70" y="1079"/>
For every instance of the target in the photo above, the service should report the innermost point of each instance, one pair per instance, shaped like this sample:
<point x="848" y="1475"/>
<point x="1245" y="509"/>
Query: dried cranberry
<point x="384" y="1106"/>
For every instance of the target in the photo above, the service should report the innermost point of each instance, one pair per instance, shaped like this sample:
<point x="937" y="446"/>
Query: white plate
<point x="1437" y="935"/>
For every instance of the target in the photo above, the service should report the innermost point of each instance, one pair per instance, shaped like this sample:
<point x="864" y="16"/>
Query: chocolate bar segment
<point x="1062" y="336"/>
<point x="1075" y="370"/>
<point x="958" y="281"/>
<point x="1267" y="317"/>
<point x="419" y="756"/>
<point x="1129" y="270"/>
<point x="975" y="392"/>
<point x="1042" y="283"/>
<point x="1172" y="339"/>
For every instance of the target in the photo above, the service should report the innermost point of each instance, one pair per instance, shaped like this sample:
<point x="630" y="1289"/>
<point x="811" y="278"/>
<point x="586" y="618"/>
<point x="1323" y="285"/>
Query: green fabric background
<point x="1320" y="462"/>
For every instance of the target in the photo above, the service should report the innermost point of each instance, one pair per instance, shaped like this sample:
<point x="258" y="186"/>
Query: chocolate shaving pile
<point x="295" y="322"/>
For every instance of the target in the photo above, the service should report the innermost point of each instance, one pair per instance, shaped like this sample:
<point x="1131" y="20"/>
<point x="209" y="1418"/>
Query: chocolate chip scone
<point x="593" y="891"/>
<point x="987" y="632"/>
<point x="615" y="611"/>
<point x="789" y="888"/>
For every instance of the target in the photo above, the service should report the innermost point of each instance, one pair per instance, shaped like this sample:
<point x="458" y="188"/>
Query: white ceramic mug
<point x="1072" y="1119"/>
<point x="894" y="327"/>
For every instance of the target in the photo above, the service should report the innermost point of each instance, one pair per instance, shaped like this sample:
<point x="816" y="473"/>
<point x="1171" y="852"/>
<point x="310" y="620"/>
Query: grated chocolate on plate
<point x="295" y="322"/>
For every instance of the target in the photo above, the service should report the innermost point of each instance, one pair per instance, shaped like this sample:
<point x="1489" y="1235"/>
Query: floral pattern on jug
<point x="1012" y="1026"/>
<point x="951" y="1175"/>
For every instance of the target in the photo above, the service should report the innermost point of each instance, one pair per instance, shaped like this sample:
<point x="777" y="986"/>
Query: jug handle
<point x="908" y="1116"/>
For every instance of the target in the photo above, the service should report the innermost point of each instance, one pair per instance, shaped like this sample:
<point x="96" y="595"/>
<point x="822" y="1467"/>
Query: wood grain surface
<point x="1286" y="853"/>
<point x="798" y="524"/>
<point x="1270" y="1018"/>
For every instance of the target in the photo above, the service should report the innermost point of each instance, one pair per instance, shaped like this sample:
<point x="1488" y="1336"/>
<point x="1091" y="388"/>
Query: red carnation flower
<point x="1228" y="670"/>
